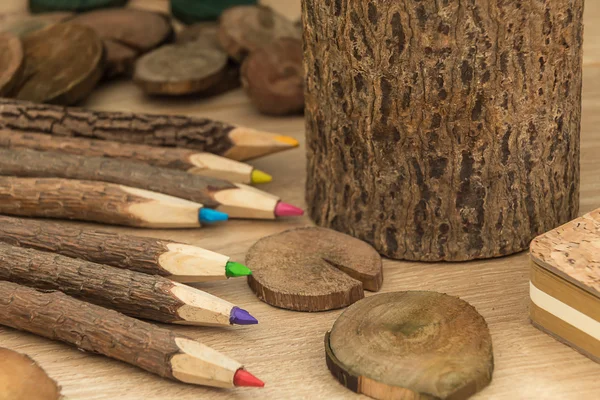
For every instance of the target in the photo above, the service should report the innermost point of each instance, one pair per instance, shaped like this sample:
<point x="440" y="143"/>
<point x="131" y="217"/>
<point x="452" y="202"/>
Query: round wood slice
<point x="37" y="6"/>
<point x="120" y="59"/>
<point x="139" y="29"/>
<point x="22" y="379"/>
<point x="63" y="64"/>
<point x="22" y="25"/>
<point x="180" y="69"/>
<point x="273" y="77"/>
<point x="11" y="62"/>
<point x="244" y="29"/>
<point x="190" y="11"/>
<point x="206" y="33"/>
<point x="313" y="269"/>
<point x="411" y="345"/>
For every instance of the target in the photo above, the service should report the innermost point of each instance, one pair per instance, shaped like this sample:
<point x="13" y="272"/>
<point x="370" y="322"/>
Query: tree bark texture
<point x="92" y="328"/>
<point x="134" y="253"/>
<point x="443" y="130"/>
<point x="165" y="157"/>
<point x="132" y="293"/>
<point x="158" y="130"/>
<point x="34" y="164"/>
<point x="68" y="199"/>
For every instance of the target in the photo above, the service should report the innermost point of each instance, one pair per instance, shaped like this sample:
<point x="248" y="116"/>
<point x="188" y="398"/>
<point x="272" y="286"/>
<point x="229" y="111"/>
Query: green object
<point x="190" y="11"/>
<point x="39" y="6"/>
<point x="235" y="270"/>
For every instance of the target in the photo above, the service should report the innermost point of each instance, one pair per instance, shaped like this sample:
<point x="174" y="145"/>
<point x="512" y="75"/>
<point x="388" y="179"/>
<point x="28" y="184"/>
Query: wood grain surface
<point x="287" y="347"/>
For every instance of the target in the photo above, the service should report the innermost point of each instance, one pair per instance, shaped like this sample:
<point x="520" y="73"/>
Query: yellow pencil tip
<point x="260" y="177"/>
<point x="287" y="140"/>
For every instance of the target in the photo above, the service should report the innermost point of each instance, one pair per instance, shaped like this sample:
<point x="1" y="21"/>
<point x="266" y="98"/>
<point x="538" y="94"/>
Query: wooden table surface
<point x="286" y="348"/>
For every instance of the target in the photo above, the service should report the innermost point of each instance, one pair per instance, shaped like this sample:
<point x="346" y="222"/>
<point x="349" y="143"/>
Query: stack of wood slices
<point x="565" y="284"/>
<point x="61" y="54"/>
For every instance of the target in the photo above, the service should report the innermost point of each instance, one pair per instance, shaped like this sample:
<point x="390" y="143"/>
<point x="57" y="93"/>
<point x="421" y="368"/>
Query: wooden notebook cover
<point x="572" y="251"/>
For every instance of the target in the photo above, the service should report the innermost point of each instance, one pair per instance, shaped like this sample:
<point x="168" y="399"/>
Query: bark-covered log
<point x="443" y="130"/>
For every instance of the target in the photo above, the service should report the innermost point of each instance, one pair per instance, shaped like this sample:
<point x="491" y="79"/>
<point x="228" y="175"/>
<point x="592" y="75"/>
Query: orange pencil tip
<point x="287" y="140"/>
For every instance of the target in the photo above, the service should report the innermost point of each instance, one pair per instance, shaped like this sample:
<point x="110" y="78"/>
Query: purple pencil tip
<point x="241" y="317"/>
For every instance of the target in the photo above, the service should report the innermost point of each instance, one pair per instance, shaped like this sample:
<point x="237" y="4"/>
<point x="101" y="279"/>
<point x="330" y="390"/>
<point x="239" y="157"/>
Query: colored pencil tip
<point x="235" y="270"/>
<point x="241" y="317"/>
<point x="244" y="378"/>
<point x="208" y="216"/>
<point x="260" y="177"/>
<point x="287" y="140"/>
<point x="287" y="210"/>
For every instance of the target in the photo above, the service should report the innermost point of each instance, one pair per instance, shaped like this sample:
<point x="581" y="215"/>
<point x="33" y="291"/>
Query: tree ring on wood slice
<point x="140" y="30"/>
<point x="37" y="6"/>
<point x="22" y="379"/>
<point x="273" y="77"/>
<point x="63" y="64"/>
<point x="244" y="29"/>
<point x="180" y="69"/>
<point x="22" y="25"/>
<point x="11" y="62"/>
<point x="411" y="345"/>
<point x="312" y="269"/>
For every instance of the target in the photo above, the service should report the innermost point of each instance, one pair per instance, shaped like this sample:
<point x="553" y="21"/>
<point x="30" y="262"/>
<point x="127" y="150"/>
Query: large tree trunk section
<point x="443" y="130"/>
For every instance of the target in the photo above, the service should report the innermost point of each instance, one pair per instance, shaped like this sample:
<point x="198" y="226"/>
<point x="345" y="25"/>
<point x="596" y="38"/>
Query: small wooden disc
<point x="37" y="6"/>
<point x="273" y="77"/>
<point x="313" y="269"/>
<point x="11" y="61"/>
<point x="138" y="29"/>
<point x="120" y="59"/>
<point x="411" y="345"/>
<point x="244" y="29"/>
<point x="180" y="69"/>
<point x="22" y="379"/>
<point x="22" y="25"/>
<point x="63" y="64"/>
<point x="206" y="34"/>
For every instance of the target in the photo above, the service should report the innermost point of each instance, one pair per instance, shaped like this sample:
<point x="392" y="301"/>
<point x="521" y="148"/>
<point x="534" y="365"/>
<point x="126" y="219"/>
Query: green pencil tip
<point x="259" y="176"/>
<point x="235" y="270"/>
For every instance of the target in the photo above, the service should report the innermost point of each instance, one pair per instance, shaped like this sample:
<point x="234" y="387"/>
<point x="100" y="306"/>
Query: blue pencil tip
<point x="208" y="216"/>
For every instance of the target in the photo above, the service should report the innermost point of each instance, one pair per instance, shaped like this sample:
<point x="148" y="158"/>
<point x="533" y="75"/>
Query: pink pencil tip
<point x="287" y="210"/>
<point x="244" y="378"/>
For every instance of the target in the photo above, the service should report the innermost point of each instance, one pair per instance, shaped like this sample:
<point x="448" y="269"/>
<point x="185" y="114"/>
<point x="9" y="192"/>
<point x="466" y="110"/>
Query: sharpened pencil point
<point x="208" y="216"/>
<point x="260" y="177"/>
<point x="236" y="270"/>
<point x="241" y="317"/>
<point x="287" y="140"/>
<point x="287" y="210"/>
<point x="244" y="378"/>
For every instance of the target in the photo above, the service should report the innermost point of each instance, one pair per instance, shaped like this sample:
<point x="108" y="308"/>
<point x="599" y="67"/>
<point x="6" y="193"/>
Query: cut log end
<point x="411" y="345"/>
<point x="312" y="269"/>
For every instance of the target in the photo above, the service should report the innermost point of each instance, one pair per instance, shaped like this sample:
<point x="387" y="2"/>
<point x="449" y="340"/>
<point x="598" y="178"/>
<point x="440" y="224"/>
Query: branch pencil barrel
<point x="176" y="261"/>
<point x="95" y="329"/>
<point x="239" y="201"/>
<point x="191" y="161"/>
<point x="132" y="293"/>
<point x="99" y="202"/>
<point x="237" y="143"/>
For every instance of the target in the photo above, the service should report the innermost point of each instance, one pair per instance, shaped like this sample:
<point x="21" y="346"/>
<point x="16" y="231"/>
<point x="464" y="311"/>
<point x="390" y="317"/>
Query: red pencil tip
<point x="244" y="378"/>
<point x="287" y="210"/>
